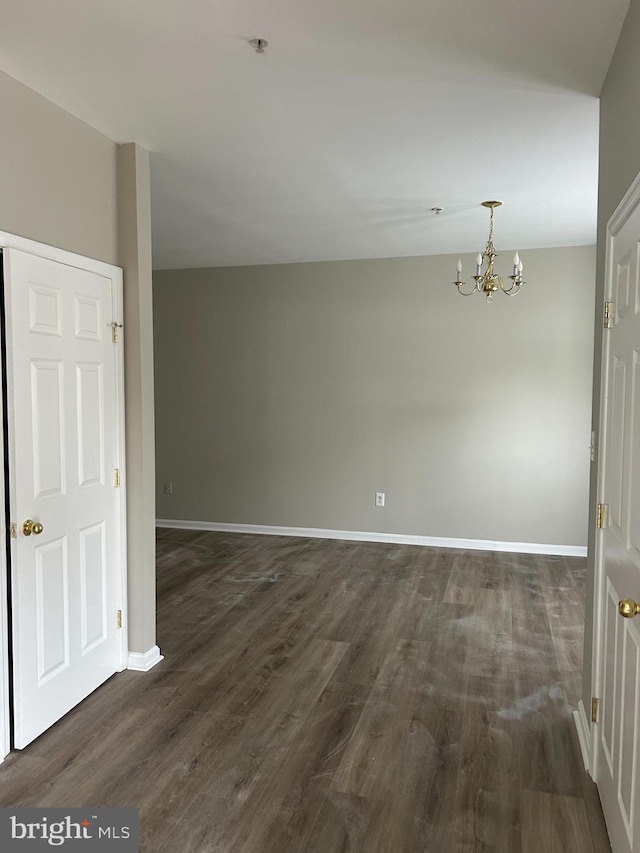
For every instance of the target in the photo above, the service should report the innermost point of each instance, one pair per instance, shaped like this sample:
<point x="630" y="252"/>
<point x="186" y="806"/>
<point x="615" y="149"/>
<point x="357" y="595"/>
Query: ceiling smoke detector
<point x="259" y="44"/>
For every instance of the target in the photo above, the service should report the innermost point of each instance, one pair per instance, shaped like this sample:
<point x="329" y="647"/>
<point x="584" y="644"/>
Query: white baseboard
<point x="584" y="733"/>
<point x="144" y="661"/>
<point x="393" y="538"/>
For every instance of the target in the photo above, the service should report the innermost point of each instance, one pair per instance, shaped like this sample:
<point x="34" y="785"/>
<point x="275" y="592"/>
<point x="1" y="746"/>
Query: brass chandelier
<point x="489" y="282"/>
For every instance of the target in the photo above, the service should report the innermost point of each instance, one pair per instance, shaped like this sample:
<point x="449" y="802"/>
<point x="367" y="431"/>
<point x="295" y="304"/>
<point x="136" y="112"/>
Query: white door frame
<point x="619" y="218"/>
<point x="11" y="241"/>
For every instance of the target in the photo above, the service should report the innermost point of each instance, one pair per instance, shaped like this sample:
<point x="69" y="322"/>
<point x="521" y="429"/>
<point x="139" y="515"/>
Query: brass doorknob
<point x="628" y="608"/>
<point x="29" y="527"/>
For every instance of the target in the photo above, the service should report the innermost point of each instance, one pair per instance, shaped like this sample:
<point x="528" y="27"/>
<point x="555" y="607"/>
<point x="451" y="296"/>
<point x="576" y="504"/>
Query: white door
<point x="63" y="409"/>
<point x="618" y="733"/>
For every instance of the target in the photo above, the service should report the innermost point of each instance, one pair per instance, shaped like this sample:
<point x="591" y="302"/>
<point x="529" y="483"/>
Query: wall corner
<point x="134" y="256"/>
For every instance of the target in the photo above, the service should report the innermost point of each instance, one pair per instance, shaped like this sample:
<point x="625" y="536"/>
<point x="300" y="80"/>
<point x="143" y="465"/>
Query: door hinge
<point x="13" y="530"/>
<point x="116" y="478"/>
<point x="118" y="618"/>
<point x="602" y="518"/>
<point x="595" y="709"/>
<point x="114" y="331"/>
<point x="609" y="315"/>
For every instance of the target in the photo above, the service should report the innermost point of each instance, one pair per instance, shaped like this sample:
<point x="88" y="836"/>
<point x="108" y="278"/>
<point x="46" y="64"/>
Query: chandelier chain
<point x="490" y="240"/>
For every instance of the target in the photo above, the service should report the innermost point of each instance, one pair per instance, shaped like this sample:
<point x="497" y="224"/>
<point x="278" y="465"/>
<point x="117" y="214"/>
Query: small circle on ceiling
<point x="259" y="44"/>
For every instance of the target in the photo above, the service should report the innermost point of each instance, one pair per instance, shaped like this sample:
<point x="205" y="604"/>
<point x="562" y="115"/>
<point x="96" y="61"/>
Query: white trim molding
<point x="584" y="734"/>
<point x="363" y="536"/>
<point x="61" y="256"/>
<point x="144" y="661"/>
<point x="623" y="211"/>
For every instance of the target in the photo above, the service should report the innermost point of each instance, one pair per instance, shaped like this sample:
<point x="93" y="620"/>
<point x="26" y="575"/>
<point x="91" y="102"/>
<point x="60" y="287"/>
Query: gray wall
<point x="619" y="166"/>
<point x="57" y="176"/>
<point x="60" y="186"/>
<point x="288" y="395"/>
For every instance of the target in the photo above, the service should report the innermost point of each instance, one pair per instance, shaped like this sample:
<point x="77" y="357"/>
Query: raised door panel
<point x="45" y="309"/>
<point x="618" y="402"/>
<point x="636" y="279"/>
<point x="93" y="586"/>
<point x="52" y="608"/>
<point x="47" y="424"/>
<point x="90" y="417"/>
<point x="88" y="317"/>
<point x="633" y="512"/>
<point x="629" y="710"/>
<point x="610" y="705"/>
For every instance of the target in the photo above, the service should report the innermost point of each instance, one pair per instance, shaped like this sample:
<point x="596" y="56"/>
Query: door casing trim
<point x="51" y="253"/>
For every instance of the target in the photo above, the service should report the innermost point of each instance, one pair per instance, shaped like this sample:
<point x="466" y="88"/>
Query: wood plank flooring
<point x="323" y="697"/>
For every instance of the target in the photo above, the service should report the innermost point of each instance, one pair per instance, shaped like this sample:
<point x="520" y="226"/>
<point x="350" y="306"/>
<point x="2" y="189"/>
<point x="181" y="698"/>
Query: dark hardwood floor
<point x="324" y="696"/>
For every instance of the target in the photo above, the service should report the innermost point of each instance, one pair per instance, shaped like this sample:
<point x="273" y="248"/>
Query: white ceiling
<point x="360" y="117"/>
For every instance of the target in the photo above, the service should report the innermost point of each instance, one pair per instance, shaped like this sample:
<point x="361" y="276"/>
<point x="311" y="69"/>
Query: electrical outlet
<point x="168" y="488"/>
<point x="379" y="498"/>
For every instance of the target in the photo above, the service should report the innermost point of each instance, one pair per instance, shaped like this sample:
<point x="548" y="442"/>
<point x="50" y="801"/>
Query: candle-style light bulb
<point x="516" y="261"/>
<point x="459" y="269"/>
<point x="478" y="264"/>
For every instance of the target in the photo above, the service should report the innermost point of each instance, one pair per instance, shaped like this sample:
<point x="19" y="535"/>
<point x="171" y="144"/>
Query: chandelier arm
<point x="513" y="290"/>
<point x="459" y="284"/>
